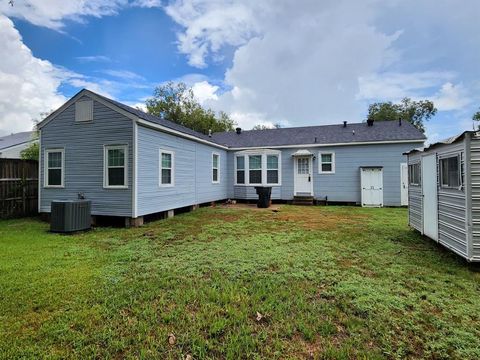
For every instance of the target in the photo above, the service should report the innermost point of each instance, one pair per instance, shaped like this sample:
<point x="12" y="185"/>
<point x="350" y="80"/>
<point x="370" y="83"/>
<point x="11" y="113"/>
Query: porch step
<point x="303" y="200"/>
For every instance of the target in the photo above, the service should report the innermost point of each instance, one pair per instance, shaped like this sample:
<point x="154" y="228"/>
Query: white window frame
<point x="277" y="169"/>
<point x="105" y="166"/>
<point x="320" y="163"/>
<point x="160" y="168"/>
<point x="460" y="177"/>
<point x="218" y="168"/>
<point x="46" y="168"/>
<point x="263" y="153"/>
<point x="418" y="165"/>
<point x="244" y="170"/>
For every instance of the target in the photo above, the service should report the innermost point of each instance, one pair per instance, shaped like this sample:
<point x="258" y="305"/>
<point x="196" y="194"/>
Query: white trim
<point x="327" y="145"/>
<point x="177" y="133"/>
<point x="218" y="168"/>
<point x="263" y="153"/>
<point x="457" y="155"/>
<point x="39" y="169"/>
<point x="105" y="166"/>
<point x="295" y="173"/>
<point x="244" y="170"/>
<point x="134" y="168"/>
<point x="46" y="168"/>
<point x="160" y="168"/>
<point x="320" y="162"/>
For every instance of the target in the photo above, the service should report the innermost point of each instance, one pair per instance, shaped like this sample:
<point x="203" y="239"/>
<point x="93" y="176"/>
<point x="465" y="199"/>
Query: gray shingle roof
<point x="324" y="134"/>
<point x="155" y="119"/>
<point x="16" y="139"/>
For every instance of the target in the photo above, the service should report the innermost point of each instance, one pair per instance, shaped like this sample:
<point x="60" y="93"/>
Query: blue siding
<point x="344" y="185"/>
<point x="83" y="144"/>
<point x="193" y="173"/>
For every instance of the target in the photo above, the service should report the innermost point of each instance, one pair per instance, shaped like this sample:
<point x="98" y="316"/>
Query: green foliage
<point x="476" y="117"/>
<point x="32" y="151"/>
<point x="329" y="282"/>
<point x="266" y="127"/>
<point x="416" y="112"/>
<point x="177" y="103"/>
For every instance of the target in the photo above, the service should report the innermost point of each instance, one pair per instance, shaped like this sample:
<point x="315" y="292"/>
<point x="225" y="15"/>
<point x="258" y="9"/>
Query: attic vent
<point x="84" y="110"/>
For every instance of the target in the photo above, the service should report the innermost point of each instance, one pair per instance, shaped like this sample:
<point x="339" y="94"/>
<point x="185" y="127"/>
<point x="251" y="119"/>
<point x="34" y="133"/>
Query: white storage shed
<point x="444" y="193"/>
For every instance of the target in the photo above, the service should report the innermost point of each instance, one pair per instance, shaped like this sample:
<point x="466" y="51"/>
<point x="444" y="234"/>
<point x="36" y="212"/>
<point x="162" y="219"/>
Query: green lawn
<point x="330" y="282"/>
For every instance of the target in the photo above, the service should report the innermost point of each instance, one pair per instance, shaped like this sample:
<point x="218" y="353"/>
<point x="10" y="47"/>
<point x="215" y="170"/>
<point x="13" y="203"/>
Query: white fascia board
<point x="327" y="145"/>
<point x="177" y="133"/>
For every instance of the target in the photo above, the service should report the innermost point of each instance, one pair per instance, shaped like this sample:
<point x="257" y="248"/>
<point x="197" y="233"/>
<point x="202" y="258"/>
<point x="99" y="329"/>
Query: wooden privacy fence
<point x="18" y="188"/>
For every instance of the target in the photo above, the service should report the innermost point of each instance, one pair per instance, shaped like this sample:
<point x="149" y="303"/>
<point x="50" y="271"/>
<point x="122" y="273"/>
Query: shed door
<point x="429" y="188"/>
<point x="372" y="186"/>
<point x="404" y="184"/>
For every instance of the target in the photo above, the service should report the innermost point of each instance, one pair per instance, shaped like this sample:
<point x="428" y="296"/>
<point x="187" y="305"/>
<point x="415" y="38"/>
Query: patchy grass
<point x="328" y="282"/>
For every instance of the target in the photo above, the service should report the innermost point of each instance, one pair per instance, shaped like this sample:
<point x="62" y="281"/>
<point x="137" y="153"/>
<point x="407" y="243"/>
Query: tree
<point x="177" y="103"/>
<point x="476" y="117"/>
<point x="415" y="112"/>
<point x="32" y="152"/>
<point x="267" y="127"/>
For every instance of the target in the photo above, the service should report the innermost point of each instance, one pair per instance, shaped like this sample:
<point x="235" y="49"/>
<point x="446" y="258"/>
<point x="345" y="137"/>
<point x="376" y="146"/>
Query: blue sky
<point x="297" y="63"/>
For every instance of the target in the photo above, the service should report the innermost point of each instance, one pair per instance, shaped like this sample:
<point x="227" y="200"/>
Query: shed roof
<point x="450" y="140"/>
<point x="16" y="139"/>
<point x="324" y="134"/>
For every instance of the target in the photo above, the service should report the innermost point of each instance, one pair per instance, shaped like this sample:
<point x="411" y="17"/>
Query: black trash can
<point x="264" y="193"/>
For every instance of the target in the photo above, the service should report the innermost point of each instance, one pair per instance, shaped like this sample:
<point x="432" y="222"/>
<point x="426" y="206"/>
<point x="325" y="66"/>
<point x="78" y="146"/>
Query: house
<point x="444" y="193"/>
<point x="12" y="145"/>
<point x="132" y="164"/>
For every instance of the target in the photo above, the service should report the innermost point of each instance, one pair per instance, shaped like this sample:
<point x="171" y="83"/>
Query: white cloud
<point x="123" y="74"/>
<point x="53" y="13"/>
<point x="210" y="25"/>
<point x="28" y="85"/>
<point x="451" y="97"/>
<point x="204" y="91"/>
<point x="319" y="62"/>
<point x="93" y="58"/>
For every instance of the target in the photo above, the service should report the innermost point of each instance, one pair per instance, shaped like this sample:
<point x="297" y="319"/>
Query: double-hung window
<point x="240" y="162"/>
<point x="414" y="174"/>
<point x="272" y="169"/>
<point x="166" y="168"/>
<point x="115" y="166"/>
<point x="255" y="169"/>
<point x="450" y="172"/>
<point x="327" y="163"/>
<point x="215" y="168"/>
<point x="54" y="167"/>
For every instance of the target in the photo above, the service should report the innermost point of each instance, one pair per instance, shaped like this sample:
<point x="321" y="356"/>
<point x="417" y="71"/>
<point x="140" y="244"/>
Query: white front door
<point x="404" y="184"/>
<point x="372" y="187"/>
<point x="303" y="175"/>
<point x="429" y="189"/>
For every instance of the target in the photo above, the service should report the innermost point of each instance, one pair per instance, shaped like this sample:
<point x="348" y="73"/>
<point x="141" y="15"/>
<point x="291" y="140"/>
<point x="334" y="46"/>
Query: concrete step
<point x="303" y="200"/>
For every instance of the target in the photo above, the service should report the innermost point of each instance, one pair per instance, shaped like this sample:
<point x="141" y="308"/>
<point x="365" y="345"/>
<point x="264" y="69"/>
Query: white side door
<point x="404" y="184"/>
<point x="429" y="189"/>
<point x="303" y="181"/>
<point x="372" y="187"/>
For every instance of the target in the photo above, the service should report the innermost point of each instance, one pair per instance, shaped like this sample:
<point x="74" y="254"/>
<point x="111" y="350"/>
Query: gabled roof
<point x="384" y="131"/>
<point x="16" y="139"/>
<point x="381" y="131"/>
<point x="128" y="109"/>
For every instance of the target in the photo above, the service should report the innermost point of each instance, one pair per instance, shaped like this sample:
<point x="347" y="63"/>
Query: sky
<point x="297" y="63"/>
